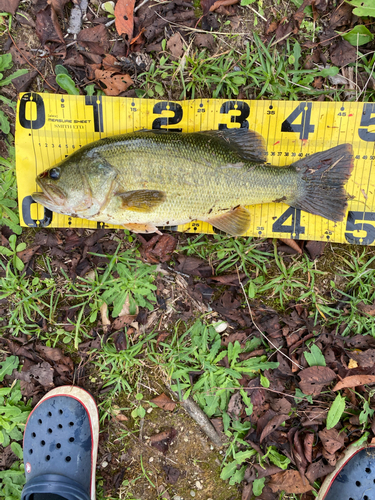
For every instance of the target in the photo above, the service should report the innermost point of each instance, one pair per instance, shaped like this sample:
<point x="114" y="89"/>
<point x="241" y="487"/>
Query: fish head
<point x="71" y="188"/>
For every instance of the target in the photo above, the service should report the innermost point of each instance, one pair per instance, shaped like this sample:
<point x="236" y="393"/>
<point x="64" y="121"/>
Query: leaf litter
<point x="291" y="404"/>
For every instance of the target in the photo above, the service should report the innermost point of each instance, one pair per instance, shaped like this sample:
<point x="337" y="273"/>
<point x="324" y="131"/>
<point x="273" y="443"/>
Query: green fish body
<point x="147" y="179"/>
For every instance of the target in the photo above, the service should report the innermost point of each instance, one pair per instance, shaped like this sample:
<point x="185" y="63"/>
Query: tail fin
<point x="322" y="178"/>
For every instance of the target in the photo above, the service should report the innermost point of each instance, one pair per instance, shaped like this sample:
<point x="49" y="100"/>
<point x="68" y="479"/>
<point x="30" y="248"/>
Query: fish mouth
<point x="51" y="196"/>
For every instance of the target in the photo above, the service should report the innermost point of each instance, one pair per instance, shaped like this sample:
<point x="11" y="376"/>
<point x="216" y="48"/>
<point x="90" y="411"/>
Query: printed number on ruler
<point x="304" y="128"/>
<point x="294" y="228"/>
<point x="360" y="222"/>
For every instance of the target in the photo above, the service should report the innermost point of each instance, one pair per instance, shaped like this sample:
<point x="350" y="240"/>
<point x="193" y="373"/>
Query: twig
<point x="259" y="330"/>
<point x="193" y="410"/>
<point x="28" y="62"/>
<point x="257" y="13"/>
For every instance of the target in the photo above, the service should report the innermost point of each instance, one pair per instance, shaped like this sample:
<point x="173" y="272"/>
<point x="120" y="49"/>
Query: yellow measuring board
<point x="50" y="127"/>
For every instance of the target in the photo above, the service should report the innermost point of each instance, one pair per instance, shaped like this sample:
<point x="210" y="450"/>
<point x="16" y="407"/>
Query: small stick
<point x="193" y="410"/>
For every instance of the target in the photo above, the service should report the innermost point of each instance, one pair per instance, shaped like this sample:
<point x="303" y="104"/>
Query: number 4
<point x="304" y="128"/>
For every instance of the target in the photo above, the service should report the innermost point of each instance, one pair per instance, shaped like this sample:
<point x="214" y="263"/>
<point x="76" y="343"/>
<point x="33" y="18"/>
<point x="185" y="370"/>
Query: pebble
<point x="104" y="464"/>
<point x="149" y="410"/>
<point x="220" y="326"/>
<point x="151" y="459"/>
<point x="199" y="486"/>
<point x="186" y="439"/>
<point x="176" y="497"/>
<point x="192" y="493"/>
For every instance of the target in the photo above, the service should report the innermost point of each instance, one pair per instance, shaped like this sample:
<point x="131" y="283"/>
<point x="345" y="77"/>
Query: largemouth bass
<point x="146" y="179"/>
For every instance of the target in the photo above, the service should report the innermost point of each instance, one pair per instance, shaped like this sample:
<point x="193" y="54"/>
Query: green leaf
<point x="246" y="2"/>
<point x="11" y="77"/>
<point x="6" y="61"/>
<point x="61" y="70"/>
<point x="278" y="459"/>
<point x="331" y="71"/>
<point x="299" y="396"/>
<point x="258" y="486"/>
<point x="363" y="8"/>
<point x="238" y="476"/>
<point x="90" y="89"/>
<point x="228" y="470"/>
<point x="17" y="450"/>
<point x="358" y="36"/>
<point x="336" y="411"/>
<point x="315" y="357"/>
<point x="241" y="456"/>
<point x="7" y="366"/>
<point x="4" y="123"/>
<point x="66" y="83"/>
<point x="264" y="381"/>
<point x="362" y="439"/>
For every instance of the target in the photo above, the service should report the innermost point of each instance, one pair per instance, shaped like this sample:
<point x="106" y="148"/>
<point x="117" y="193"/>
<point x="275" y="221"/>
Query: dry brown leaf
<point x="9" y="6"/>
<point x="314" y="378"/>
<point x="176" y="45"/>
<point x="308" y="442"/>
<point x="367" y="308"/>
<point x="317" y="470"/>
<point x="114" y="84"/>
<point x="124" y="22"/>
<point x="332" y="440"/>
<point x="222" y="3"/>
<point x="272" y="425"/>
<point x="292" y="244"/>
<point x="47" y="26"/>
<point x="352" y="364"/>
<point x="95" y="39"/>
<point x="164" y="402"/>
<point x="289" y="481"/>
<point x="354" y="381"/>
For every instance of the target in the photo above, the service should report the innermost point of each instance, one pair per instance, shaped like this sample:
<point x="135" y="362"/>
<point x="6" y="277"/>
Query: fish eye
<point x="54" y="173"/>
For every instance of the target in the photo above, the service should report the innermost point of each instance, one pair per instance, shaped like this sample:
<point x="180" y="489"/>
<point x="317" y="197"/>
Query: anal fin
<point x="142" y="228"/>
<point x="235" y="222"/>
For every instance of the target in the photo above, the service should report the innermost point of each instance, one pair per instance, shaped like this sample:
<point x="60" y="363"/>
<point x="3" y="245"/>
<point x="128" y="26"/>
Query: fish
<point x="151" y="178"/>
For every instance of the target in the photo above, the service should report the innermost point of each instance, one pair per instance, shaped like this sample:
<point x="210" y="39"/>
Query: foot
<point x="61" y="445"/>
<point x="353" y="478"/>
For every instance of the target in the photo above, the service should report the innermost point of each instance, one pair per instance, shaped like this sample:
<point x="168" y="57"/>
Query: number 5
<point x="355" y="222"/>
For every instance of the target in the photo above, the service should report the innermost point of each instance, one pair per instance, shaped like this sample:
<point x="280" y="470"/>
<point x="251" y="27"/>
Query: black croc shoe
<point x="353" y="477"/>
<point x="60" y="446"/>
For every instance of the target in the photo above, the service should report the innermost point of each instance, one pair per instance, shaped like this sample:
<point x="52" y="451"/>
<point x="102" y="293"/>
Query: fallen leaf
<point x="9" y="6"/>
<point x="330" y="457"/>
<point x="308" y="442"/>
<point x="58" y="6"/>
<point x="343" y="53"/>
<point x="21" y="84"/>
<point x="104" y="316"/>
<point x="27" y="254"/>
<point x="272" y="425"/>
<point x="352" y="364"/>
<point x="164" y="402"/>
<point x="55" y="354"/>
<point x="289" y="481"/>
<point x="364" y="359"/>
<point x="247" y="492"/>
<point x="366" y="308"/>
<point x="162" y="440"/>
<point x="292" y="244"/>
<point x="222" y="3"/>
<point x="314" y="378"/>
<point x="114" y="83"/>
<point x="332" y="440"/>
<point x="124" y="22"/>
<point x="41" y="373"/>
<point x="317" y="470"/>
<point x="47" y="26"/>
<point x="158" y="249"/>
<point x="161" y="338"/>
<point x="206" y="40"/>
<point x="342" y="16"/>
<point x="95" y="39"/>
<point x="354" y="381"/>
<point x="172" y="474"/>
<point x="176" y="45"/>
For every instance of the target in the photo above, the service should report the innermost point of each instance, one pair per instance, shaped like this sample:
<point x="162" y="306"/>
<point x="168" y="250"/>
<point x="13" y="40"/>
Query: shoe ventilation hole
<point x="368" y="470"/>
<point x="68" y="459"/>
<point x="58" y="445"/>
<point x="34" y="435"/>
<point x="365" y="497"/>
<point x="49" y="431"/>
<point x="31" y="451"/>
<point x="71" y="440"/>
<point x="40" y="422"/>
<point x="42" y="443"/>
<point x="358" y="483"/>
<point x="61" y="412"/>
<point x="71" y="424"/>
<point x="49" y="414"/>
<point x="48" y="458"/>
<point x="59" y="426"/>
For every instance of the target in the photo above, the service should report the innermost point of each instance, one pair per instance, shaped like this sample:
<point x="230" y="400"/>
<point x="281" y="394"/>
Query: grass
<point x="257" y="70"/>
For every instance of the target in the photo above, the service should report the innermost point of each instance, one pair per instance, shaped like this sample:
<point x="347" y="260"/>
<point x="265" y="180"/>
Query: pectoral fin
<point x="235" y="222"/>
<point x="143" y="200"/>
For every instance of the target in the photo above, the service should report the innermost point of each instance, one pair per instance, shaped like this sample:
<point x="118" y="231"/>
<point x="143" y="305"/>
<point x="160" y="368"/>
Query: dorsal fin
<point x="248" y="144"/>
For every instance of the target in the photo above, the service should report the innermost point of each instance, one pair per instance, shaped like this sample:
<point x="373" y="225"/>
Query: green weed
<point x="8" y="190"/>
